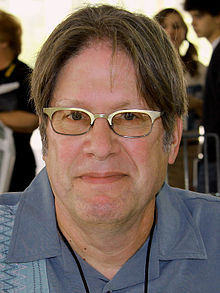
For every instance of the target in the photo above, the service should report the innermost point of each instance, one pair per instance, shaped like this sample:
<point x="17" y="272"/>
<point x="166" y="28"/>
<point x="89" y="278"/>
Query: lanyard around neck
<point x="147" y="263"/>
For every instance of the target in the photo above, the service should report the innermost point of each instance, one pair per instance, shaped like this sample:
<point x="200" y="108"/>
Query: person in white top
<point x="194" y="71"/>
<point x="173" y="23"/>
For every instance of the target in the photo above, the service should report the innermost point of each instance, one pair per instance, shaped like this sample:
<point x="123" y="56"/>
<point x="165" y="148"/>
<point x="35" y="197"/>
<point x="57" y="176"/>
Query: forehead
<point x="172" y="18"/>
<point x="198" y="13"/>
<point x="97" y="73"/>
<point x="102" y="57"/>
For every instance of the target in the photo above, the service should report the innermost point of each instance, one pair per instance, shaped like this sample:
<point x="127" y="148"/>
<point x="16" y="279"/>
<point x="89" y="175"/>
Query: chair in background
<point x="189" y="161"/>
<point x="7" y="157"/>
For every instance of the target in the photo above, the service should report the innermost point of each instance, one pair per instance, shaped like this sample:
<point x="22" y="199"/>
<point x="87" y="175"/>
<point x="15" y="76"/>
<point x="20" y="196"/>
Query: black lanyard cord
<point x="146" y="263"/>
<point x="81" y="272"/>
<point x="77" y="262"/>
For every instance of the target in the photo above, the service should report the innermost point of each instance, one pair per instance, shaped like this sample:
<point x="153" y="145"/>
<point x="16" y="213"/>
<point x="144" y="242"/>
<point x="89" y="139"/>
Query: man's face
<point x="205" y="25"/>
<point x="100" y="177"/>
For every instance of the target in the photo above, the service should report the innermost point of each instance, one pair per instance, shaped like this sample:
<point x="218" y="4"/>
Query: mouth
<point x="102" y="178"/>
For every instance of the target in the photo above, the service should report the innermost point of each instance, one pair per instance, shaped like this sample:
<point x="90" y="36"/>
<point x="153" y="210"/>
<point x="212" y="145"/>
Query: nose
<point x="170" y="31"/>
<point x="101" y="141"/>
<point x="193" y="22"/>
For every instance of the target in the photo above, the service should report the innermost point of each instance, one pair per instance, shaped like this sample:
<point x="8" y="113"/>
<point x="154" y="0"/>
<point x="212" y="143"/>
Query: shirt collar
<point x="215" y="43"/>
<point x="176" y="234"/>
<point x="35" y="233"/>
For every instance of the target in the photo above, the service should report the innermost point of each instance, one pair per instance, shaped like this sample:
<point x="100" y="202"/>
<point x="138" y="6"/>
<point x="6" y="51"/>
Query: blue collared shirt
<point x="185" y="251"/>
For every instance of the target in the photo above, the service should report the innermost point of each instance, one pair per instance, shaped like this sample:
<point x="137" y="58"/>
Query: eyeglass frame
<point x="49" y="111"/>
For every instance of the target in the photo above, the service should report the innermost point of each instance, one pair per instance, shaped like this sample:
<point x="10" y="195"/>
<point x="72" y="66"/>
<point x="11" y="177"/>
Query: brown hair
<point x="190" y="59"/>
<point x="212" y="6"/>
<point x="10" y="31"/>
<point x="158" y="68"/>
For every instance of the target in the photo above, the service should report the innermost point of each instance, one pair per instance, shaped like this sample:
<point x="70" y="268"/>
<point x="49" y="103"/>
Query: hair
<point x="212" y="6"/>
<point x="158" y="69"/>
<point x="10" y="32"/>
<point x="190" y="59"/>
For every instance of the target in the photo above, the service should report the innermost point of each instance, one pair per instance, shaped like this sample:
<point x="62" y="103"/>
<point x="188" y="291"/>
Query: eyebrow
<point x="80" y="104"/>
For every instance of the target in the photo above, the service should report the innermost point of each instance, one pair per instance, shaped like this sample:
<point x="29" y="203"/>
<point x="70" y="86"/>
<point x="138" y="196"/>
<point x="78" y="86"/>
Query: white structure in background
<point x="37" y="149"/>
<point x="7" y="157"/>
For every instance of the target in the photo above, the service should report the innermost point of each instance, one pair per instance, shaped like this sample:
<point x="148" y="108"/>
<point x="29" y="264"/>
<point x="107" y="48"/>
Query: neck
<point x="214" y="37"/>
<point x="6" y="58"/>
<point x="109" y="248"/>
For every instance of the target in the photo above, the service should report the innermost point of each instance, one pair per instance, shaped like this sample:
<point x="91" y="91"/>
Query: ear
<point x="217" y="18"/>
<point x="176" y="138"/>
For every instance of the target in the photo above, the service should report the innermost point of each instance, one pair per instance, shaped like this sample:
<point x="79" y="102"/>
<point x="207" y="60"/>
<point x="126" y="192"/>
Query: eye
<point x="129" y="116"/>
<point x="176" y="26"/>
<point x="76" y="115"/>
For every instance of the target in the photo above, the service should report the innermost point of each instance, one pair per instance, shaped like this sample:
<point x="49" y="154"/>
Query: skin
<point x="175" y="29"/>
<point x="206" y="25"/>
<point x="105" y="185"/>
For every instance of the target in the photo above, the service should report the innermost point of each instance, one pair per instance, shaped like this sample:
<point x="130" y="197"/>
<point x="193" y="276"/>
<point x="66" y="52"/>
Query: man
<point x="206" y="23"/>
<point x="15" y="110"/>
<point x="109" y="90"/>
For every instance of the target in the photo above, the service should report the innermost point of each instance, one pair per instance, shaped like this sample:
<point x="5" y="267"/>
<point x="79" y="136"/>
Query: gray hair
<point x="157" y="65"/>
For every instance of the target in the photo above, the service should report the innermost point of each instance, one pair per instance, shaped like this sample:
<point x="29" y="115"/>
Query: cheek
<point x="62" y="148"/>
<point x="151" y="164"/>
<point x="144" y="153"/>
<point x="182" y="36"/>
<point x="60" y="161"/>
<point x="150" y="156"/>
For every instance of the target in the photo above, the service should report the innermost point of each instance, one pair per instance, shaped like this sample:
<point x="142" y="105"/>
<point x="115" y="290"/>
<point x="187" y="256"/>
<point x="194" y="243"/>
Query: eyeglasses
<point x="130" y="123"/>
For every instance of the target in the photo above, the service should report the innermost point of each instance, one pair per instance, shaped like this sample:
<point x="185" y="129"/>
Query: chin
<point x="101" y="219"/>
<point x="103" y="214"/>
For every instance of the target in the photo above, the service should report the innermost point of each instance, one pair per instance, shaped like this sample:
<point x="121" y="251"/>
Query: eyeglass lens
<point x="74" y="122"/>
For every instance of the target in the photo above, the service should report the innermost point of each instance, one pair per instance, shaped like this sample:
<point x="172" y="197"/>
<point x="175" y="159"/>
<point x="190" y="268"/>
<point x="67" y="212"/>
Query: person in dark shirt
<point x="16" y="112"/>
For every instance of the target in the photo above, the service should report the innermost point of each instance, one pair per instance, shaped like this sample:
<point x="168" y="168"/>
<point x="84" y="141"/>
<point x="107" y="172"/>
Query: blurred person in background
<point x="206" y="23"/>
<point x="16" y="111"/>
<point x="194" y="72"/>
